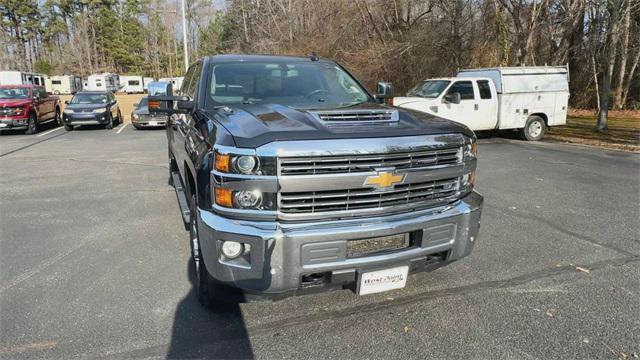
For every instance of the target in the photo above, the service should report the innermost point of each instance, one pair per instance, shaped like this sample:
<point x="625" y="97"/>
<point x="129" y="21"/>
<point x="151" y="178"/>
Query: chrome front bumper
<point x="283" y="253"/>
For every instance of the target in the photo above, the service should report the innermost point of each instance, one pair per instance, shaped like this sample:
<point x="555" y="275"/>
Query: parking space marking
<point x="122" y="128"/>
<point x="49" y="132"/>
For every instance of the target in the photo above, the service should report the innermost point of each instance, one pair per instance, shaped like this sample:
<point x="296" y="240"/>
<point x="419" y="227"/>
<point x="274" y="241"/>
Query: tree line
<point x="401" y="41"/>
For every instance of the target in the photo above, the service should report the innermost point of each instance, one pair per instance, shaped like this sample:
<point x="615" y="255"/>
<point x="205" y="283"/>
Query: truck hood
<point x="15" y="102"/>
<point x="399" y="101"/>
<point x="254" y="125"/>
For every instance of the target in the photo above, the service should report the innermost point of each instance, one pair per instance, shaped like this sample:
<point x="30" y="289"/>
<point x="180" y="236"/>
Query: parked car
<point x="92" y="108"/>
<point x="528" y="99"/>
<point x="292" y="178"/>
<point x="27" y="107"/>
<point x="141" y="117"/>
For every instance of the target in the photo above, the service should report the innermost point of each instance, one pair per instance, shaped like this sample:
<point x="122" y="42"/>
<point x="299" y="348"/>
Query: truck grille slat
<point x="363" y="163"/>
<point x="323" y="201"/>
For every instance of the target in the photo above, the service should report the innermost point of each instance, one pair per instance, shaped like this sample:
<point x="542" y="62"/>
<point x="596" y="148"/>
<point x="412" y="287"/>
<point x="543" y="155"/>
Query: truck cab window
<point x="465" y="88"/>
<point x="485" y="89"/>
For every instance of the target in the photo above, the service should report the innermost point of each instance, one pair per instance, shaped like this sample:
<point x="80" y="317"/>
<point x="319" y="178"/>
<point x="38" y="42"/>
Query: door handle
<point x="475" y="106"/>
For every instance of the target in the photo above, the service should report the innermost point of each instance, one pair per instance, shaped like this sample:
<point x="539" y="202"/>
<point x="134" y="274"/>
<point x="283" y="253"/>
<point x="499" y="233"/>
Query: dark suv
<point x="291" y="177"/>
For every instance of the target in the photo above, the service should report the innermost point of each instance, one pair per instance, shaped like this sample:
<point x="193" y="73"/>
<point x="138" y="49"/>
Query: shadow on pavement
<point x="199" y="333"/>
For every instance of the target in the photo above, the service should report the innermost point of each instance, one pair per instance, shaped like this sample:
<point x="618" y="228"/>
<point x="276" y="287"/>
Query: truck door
<point x="464" y="111"/>
<point x="486" y="106"/>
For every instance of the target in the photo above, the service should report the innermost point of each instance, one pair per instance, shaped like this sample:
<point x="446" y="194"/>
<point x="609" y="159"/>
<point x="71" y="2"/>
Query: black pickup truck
<point x="292" y="178"/>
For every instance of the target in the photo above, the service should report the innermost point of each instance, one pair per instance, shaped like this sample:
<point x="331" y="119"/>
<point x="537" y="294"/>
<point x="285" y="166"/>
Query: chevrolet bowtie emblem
<point x="384" y="179"/>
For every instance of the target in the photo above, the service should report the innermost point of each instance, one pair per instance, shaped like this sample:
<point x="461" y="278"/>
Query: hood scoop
<point x="357" y="117"/>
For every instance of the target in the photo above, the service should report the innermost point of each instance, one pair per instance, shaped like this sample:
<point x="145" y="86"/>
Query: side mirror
<point x="136" y="105"/>
<point x="384" y="92"/>
<point x="453" y="98"/>
<point x="66" y="102"/>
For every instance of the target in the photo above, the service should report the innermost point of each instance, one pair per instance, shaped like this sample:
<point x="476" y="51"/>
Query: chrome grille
<point x="365" y="163"/>
<point x="429" y="193"/>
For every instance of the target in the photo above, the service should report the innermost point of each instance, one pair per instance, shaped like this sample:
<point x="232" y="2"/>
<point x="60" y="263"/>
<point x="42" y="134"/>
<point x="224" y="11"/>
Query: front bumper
<point x="149" y="120"/>
<point x="284" y="256"/>
<point x="86" y="118"/>
<point x="10" y="122"/>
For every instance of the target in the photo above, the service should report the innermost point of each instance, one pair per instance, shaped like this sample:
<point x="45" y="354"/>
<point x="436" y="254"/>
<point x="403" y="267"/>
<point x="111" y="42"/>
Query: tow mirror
<point x="453" y="98"/>
<point x="385" y="93"/>
<point x="162" y="100"/>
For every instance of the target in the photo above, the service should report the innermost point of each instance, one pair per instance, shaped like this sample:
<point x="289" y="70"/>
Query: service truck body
<point x="497" y="98"/>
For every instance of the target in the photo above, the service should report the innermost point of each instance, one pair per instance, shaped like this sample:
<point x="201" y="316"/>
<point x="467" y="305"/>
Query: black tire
<point x="534" y="129"/>
<point x="109" y="125"/>
<point x="32" y="124"/>
<point x="137" y="127"/>
<point x="206" y="287"/>
<point x="120" y="120"/>
<point x="59" y="118"/>
<point x="68" y="127"/>
<point x="173" y="166"/>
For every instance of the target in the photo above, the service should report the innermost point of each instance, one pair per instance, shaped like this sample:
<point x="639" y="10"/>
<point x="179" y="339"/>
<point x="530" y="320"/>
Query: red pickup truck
<point x="27" y="107"/>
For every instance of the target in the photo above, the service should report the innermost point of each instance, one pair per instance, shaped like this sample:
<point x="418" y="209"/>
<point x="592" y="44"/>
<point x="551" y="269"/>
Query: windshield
<point x="14" y="93"/>
<point x="143" y="102"/>
<point x="429" y="88"/>
<point x="295" y="84"/>
<point x="89" y="99"/>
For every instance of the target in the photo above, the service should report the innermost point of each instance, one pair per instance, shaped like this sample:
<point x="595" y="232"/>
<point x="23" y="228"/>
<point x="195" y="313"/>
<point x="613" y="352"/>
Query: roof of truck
<point x="245" y="57"/>
<point x="522" y="69"/>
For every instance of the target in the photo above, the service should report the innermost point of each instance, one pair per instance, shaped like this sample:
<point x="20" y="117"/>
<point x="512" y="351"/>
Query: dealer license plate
<point x="153" y="123"/>
<point x="382" y="280"/>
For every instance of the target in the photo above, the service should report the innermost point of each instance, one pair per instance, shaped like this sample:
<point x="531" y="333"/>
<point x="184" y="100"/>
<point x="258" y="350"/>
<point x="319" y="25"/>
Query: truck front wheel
<point x="206" y="286"/>
<point x="32" y="124"/>
<point x="534" y="129"/>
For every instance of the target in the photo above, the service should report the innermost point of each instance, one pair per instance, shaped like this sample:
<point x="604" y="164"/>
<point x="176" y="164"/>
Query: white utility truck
<point x="21" y="78"/>
<point x="64" y="84"/>
<point x="528" y="99"/>
<point x="132" y="84"/>
<point x="103" y="82"/>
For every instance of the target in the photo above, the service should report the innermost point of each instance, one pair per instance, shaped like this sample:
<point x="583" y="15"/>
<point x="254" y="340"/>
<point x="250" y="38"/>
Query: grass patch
<point x="623" y="132"/>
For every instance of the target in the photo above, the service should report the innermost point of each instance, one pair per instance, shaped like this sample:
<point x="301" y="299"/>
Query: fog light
<point x="232" y="249"/>
<point x="248" y="199"/>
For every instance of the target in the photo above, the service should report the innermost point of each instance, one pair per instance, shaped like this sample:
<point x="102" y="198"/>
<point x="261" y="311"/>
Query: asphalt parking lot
<point x="94" y="263"/>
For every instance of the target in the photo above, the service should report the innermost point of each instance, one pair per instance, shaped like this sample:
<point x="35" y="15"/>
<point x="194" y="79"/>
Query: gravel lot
<point x="93" y="263"/>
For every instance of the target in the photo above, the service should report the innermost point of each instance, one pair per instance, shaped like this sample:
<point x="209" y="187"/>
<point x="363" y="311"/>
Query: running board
<point x="182" y="198"/>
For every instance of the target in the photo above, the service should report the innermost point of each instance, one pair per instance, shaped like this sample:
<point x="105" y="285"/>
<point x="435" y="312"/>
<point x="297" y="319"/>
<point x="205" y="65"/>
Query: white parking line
<point x="122" y="128"/>
<point x="50" y="131"/>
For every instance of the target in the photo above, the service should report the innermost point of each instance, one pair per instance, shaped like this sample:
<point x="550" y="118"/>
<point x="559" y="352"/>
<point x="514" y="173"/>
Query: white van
<point x="132" y="84"/>
<point x="103" y="82"/>
<point x="175" y="81"/>
<point x="64" y="84"/>
<point x="22" y="78"/>
<point x="528" y="98"/>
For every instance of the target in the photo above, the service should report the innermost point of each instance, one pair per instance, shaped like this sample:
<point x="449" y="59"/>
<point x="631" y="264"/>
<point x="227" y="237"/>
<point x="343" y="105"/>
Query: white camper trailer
<point x="132" y="84"/>
<point x="527" y="98"/>
<point x="22" y="78"/>
<point x="64" y="84"/>
<point x="175" y="81"/>
<point x="103" y="82"/>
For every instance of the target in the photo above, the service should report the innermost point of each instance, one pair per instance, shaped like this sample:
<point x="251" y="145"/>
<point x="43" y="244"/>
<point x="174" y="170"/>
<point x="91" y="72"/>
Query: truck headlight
<point x="239" y="164"/>
<point x="99" y="111"/>
<point x="245" y="164"/>
<point x="471" y="149"/>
